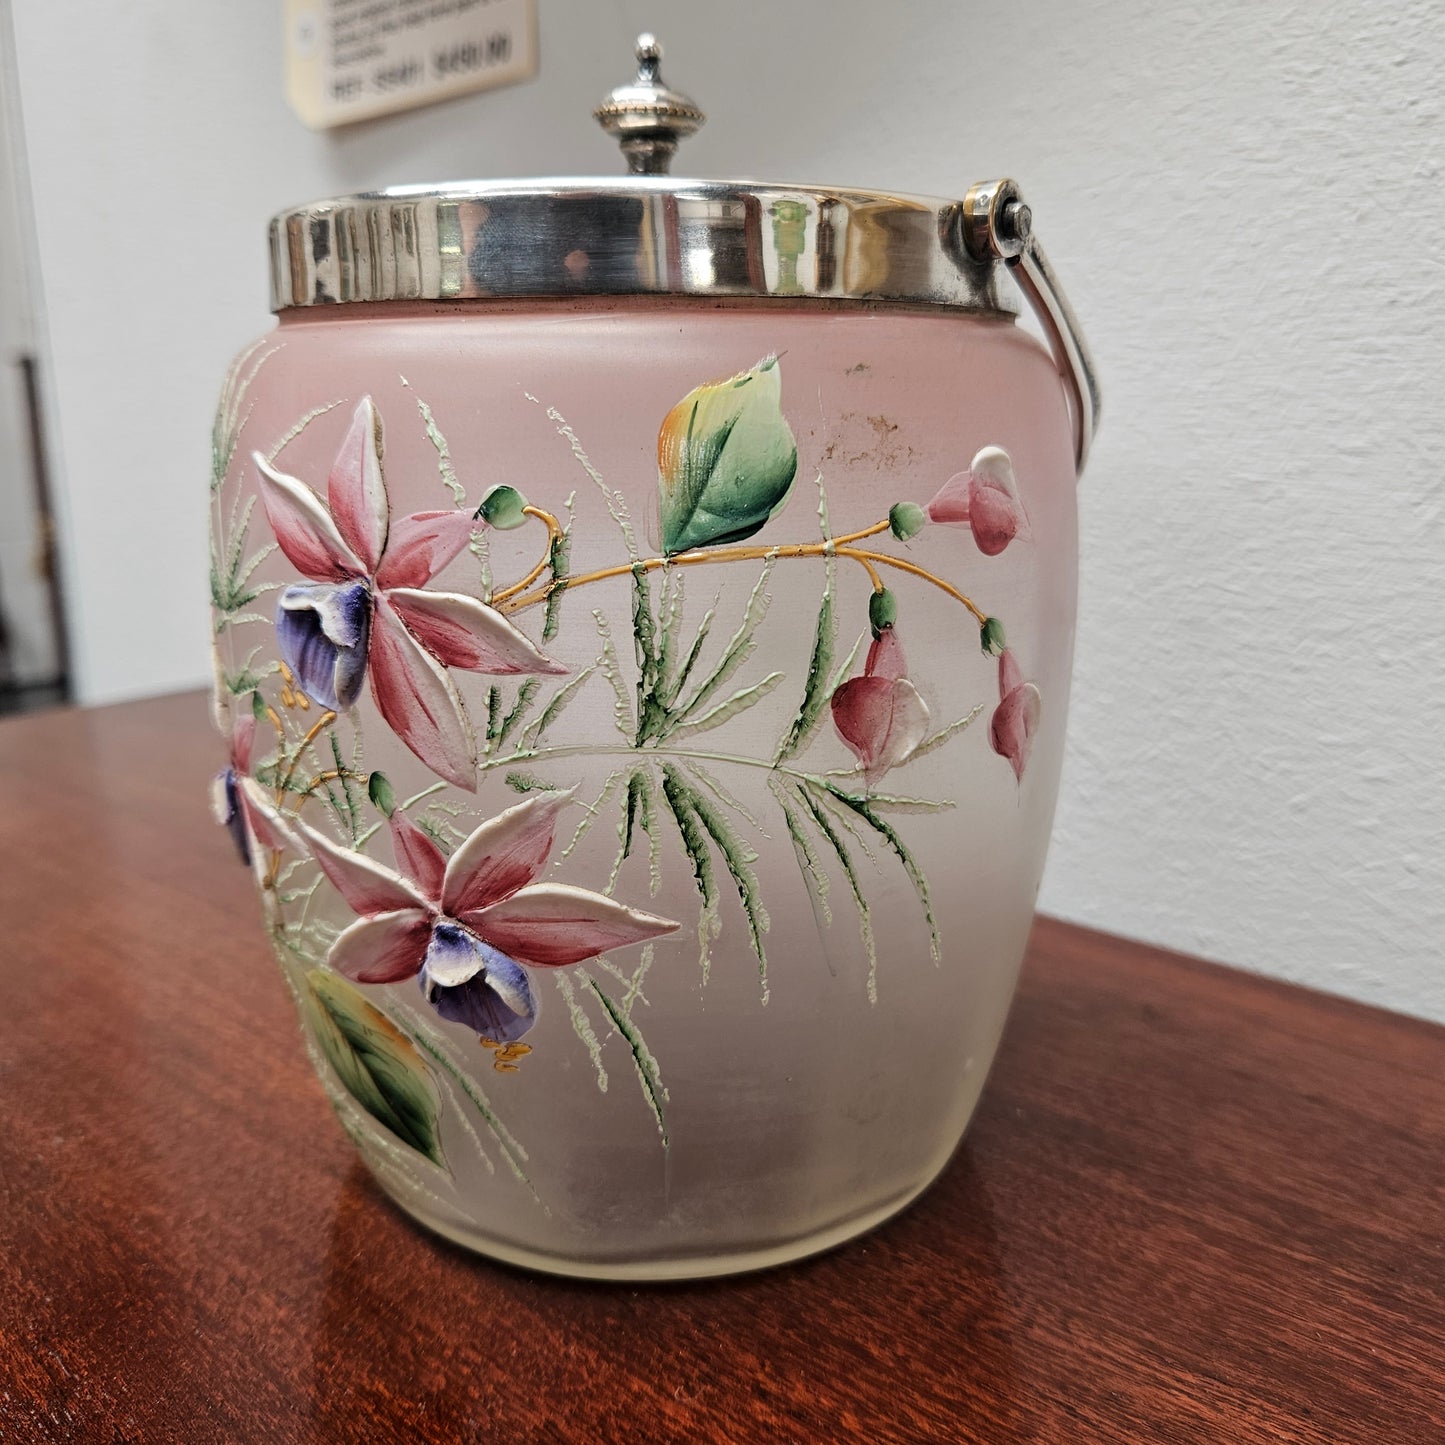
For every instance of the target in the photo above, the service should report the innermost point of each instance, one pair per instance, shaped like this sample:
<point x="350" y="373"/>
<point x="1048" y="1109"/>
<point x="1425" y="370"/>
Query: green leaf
<point x="674" y="688"/>
<point x="897" y="804"/>
<point x="558" y="562"/>
<point x="739" y="648"/>
<point x="862" y="806"/>
<point x="231" y="588"/>
<point x="611" y="669"/>
<point x="556" y="706"/>
<point x="592" y="811"/>
<point x="582" y="1027"/>
<point x="670" y="617"/>
<point x="381" y="793"/>
<point x="938" y="739"/>
<point x="651" y="713"/>
<point x="648" y="1075"/>
<point x="374" y="1061"/>
<point x="816" y="689"/>
<point x="850" y="873"/>
<point x="635" y="784"/>
<point x="631" y="815"/>
<point x="523" y="705"/>
<point x="437" y="832"/>
<point x="445" y="469"/>
<point x="815" y="876"/>
<point x="736" y="854"/>
<point x="694" y="843"/>
<point x="730" y="707"/>
<point x="726" y="460"/>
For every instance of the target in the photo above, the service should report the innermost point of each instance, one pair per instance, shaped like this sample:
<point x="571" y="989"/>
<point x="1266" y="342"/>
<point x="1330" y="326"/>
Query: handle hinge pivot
<point x="999" y="226"/>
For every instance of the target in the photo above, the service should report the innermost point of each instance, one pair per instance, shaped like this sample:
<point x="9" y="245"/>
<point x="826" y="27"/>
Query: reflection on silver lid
<point x="642" y="236"/>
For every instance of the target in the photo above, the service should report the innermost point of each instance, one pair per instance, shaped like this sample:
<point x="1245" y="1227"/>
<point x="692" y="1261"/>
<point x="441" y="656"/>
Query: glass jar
<point x="643" y="619"/>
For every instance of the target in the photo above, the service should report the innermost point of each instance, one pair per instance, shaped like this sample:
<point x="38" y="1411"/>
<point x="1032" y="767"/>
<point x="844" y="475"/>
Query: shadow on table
<point x="905" y="1334"/>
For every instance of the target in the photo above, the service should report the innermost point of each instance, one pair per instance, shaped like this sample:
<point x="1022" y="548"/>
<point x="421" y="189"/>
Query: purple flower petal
<point x="469" y="982"/>
<point x="324" y="629"/>
<point x="226" y="805"/>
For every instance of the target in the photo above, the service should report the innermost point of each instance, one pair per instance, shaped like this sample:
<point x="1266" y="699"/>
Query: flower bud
<point x="502" y="508"/>
<point x="379" y="790"/>
<point x="991" y="637"/>
<point x="906" y="519"/>
<point x="882" y="611"/>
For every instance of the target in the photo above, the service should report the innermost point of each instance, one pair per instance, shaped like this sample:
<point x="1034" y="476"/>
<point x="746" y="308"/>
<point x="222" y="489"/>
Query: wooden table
<point x="1195" y="1206"/>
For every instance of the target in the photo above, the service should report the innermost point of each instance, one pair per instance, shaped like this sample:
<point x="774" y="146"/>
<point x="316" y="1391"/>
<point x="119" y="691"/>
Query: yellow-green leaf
<point x="726" y="459"/>
<point x="376" y="1063"/>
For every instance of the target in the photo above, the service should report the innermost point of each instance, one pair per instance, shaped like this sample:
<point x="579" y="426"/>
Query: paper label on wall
<point x="349" y="60"/>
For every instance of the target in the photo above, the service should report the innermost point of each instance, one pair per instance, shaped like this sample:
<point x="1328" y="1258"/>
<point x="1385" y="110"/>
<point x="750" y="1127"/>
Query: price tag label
<point x="349" y="60"/>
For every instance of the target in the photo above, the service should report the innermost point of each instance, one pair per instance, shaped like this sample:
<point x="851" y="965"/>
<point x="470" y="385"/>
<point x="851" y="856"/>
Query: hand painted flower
<point x="363" y="611"/>
<point x="1016" y="718"/>
<point x="470" y="926"/>
<point x="985" y="499"/>
<point x="256" y="828"/>
<point x="227" y="803"/>
<point x="880" y="715"/>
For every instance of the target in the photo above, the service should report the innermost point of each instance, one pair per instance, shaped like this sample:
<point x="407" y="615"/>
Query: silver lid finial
<point x="646" y="117"/>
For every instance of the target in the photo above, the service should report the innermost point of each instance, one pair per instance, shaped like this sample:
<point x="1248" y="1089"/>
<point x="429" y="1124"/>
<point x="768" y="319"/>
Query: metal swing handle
<point x="998" y="225"/>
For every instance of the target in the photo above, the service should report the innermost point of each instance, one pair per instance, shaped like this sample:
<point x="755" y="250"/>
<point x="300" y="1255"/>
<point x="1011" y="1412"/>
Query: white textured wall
<point x="1247" y="203"/>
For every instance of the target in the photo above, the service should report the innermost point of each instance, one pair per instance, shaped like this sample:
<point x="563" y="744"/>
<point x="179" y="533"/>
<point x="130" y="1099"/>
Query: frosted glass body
<point x="800" y="1107"/>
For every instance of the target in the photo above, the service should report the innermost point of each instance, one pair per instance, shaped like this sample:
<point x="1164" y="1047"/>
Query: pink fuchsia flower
<point x="228" y="805"/>
<point x="240" y="804"/>
<point x="1016" y="718"/>
<point x="880" y="715"/>
<point x="364" y="611"/>
<point x="250" y="830"/>
<point x="472" y="925"/>
<point x="985" y="499"/>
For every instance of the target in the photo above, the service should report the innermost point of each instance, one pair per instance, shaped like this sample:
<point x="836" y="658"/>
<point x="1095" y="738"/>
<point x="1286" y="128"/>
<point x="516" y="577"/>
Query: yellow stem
<point x="554" y="530"/>
<point x="511" y="601"/>
<point x="682" y="559"/>
<point x="913" y="569"/>
<point x="319" y="726"/>
<point x="329" y="776"/>
<point x="867" y="566"/>
<point x="872" y="531"/>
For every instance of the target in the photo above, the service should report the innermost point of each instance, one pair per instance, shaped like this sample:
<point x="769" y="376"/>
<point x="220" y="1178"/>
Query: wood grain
<point x="1195" y="1206"/>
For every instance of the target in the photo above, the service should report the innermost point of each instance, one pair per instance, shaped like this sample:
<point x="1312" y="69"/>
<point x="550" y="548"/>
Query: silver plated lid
<point x="652" y="235"/>
<point x="646" y="235"/>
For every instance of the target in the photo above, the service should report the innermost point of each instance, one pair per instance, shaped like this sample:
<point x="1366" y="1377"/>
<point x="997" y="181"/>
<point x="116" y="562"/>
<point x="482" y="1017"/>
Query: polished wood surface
<point x="1195" y="1206"/>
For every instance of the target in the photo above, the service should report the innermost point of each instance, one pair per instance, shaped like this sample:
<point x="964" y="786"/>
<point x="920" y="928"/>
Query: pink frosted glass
<point x="800" y="1111"/>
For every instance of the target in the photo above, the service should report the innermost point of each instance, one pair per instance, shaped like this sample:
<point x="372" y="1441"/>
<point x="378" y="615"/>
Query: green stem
<point x="588" y="750"/>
